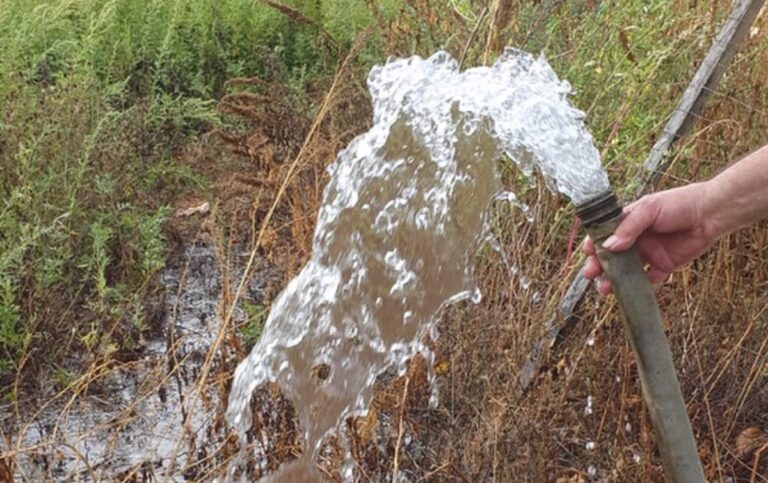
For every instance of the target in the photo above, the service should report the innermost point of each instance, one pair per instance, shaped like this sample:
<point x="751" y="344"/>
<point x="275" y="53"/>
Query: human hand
<point x="669" y="229"/>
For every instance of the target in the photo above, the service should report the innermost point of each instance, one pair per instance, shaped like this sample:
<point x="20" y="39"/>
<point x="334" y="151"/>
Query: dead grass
<point x="485" y="428"/>
<point x="715" y="315"/>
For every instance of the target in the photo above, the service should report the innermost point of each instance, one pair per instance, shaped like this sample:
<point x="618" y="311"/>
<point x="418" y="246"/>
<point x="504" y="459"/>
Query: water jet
<point x="404" y="214"/>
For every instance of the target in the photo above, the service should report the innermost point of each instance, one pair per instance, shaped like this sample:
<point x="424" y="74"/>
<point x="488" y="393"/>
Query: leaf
<point x="202" y="209"/>
<point x="748" y="440"/>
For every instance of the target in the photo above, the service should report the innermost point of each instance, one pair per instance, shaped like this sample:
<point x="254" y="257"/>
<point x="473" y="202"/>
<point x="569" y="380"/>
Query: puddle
<point x="128" y="423"/>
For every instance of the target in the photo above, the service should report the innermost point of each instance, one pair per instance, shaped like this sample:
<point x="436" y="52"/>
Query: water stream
<point x="403" y="217"/>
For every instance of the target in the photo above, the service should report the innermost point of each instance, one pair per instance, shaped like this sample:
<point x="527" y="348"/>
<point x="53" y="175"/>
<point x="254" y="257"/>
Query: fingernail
<point x="610" y="242"/>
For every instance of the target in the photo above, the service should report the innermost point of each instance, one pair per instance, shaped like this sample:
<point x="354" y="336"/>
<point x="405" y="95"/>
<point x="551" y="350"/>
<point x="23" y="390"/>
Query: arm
<point x="673" y="227"/>
<point x="739" y="195"/>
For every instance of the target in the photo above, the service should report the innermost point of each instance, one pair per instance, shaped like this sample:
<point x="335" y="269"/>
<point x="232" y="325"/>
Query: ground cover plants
<point x="115" y="114"/>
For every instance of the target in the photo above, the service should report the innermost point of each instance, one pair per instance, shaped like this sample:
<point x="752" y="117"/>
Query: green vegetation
<point x="103" y="102"/>
<point x="256" y="316"/>
<point x="97" y="97"/>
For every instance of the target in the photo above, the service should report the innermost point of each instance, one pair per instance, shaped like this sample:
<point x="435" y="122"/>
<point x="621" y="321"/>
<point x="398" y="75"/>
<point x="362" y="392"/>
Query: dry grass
<point x="485" y="428"/>
<point x="715" y="315"/>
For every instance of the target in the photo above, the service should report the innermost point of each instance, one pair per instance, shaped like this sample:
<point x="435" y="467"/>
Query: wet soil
<point x="145" y="420"/>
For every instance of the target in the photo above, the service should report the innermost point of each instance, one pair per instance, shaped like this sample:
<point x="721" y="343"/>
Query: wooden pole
<point x="706" y="79"/>
<point x="680" y="123"/>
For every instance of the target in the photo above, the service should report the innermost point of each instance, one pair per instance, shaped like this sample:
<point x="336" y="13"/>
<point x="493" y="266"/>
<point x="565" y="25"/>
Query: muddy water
<point x="402" y="219"/>
<point x="129" y="420"/>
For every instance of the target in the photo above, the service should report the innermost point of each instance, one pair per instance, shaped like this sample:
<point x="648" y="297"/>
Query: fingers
<point x="594" y="271"/>
<point x="637" y="218"/>
<point x="589" y="246"/>
<point x="592" y="268"/>
<point x="657" y="276"/>
<point x="604" y="286"/>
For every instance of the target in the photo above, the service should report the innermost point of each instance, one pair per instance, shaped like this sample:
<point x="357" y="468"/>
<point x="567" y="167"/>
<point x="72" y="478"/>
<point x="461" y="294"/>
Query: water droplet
<point x="434" y="399"/>
<point x="434" y="333"/>
<point x="525" y="282"/>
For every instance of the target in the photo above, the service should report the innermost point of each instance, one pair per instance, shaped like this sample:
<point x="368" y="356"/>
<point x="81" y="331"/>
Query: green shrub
<point x="96" y="96"/>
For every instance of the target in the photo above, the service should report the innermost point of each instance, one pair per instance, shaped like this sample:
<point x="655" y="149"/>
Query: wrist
<point x="737" y="196"/>
<point x="713" y="209"/>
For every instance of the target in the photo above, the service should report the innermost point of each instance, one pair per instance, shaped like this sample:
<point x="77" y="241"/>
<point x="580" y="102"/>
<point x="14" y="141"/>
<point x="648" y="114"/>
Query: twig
<point x="756" y="462"/>
<point x="472" y="35"/>
<point x="80" y="456"/>
<point x="708" y="408"/>
<point x="396" y="464"/>
<point x="433" y="472"/>
<point x="299" y="17"/>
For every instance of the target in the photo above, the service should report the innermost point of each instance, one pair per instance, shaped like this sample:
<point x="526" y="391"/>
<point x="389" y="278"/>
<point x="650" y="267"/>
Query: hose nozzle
<point x="599" y="210"/>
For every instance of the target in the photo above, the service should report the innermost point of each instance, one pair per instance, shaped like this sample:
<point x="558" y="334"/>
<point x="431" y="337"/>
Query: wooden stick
<point x="695" y="96"/>
<point x="679" y="125"/>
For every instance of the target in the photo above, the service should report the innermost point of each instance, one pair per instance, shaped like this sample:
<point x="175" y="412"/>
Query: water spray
<point x="642" y="322"/>
<point x="403" y="217"/>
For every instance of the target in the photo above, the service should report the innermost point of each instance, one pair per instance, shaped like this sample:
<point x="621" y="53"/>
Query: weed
<point x="12" y="335"/>
<point x="256" y="316"/>
<point x="103" y="99"/>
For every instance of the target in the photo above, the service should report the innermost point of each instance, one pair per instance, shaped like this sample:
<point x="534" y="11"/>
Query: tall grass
<point x="98" y="97"/>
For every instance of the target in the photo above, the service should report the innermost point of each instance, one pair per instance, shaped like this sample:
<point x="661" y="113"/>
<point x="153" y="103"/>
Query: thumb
<point x="638" y="217"/>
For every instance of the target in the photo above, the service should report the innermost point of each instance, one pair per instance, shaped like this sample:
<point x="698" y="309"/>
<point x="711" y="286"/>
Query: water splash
<point x="401" y="222"/>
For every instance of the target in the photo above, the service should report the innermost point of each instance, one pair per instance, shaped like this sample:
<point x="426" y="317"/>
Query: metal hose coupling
<point x="602" y="211"/>
<point x="645" y="331"/>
